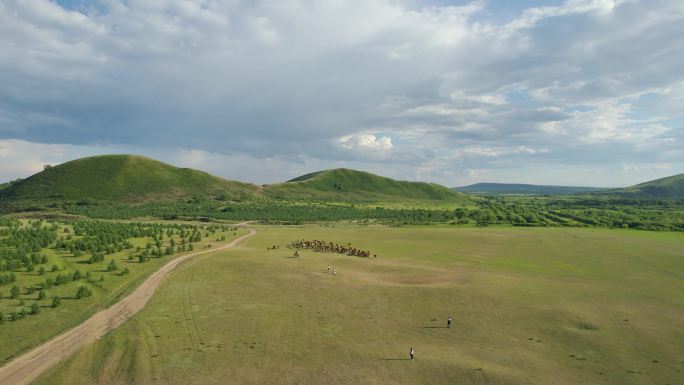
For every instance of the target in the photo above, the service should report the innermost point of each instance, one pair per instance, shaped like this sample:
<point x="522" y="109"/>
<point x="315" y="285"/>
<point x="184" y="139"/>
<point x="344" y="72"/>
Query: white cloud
<point x="638" y="167"/>
<point x="292" y="80"/>
<point x="366" y="142"/>
<point x="495" y="152"/>
<point x="606" y="122"/>
<point x="19" y="159"/>
<point x="494" y="99"/>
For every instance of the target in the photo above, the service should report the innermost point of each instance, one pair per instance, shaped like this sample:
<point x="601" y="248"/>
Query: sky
<point x="576" y="92"/>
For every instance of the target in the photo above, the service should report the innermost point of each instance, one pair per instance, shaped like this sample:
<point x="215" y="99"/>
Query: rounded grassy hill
<point x="670" y="187"/>
<point x="348" y="185"/>
<point x="119" y="178"/>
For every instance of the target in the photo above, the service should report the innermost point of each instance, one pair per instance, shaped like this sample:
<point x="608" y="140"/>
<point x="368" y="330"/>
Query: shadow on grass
<point x="395" y="359"/>
<point x="434" y="327"/>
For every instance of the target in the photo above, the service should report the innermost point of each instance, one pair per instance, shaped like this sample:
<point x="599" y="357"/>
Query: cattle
<point x="330" y="247"/>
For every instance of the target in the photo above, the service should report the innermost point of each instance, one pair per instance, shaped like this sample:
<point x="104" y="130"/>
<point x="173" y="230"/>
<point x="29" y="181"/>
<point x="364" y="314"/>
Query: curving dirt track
<point x="25" y="368"/>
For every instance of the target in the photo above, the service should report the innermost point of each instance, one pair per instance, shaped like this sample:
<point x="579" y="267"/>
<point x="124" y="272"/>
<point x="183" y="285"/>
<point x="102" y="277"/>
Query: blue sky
<point x="576" y="92"/>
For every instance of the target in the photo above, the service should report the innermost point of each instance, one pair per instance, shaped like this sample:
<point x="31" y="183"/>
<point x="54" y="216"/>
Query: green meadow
<point x="529" y="305"/>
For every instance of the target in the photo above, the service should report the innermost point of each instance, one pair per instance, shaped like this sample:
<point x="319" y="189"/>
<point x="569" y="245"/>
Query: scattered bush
<point x="112" y="266"/>
<point x="14" y="292"/>
<point x="83" y="291"/>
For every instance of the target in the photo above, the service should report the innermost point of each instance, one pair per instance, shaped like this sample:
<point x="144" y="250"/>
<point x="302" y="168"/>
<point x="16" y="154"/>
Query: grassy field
<point x="20" y="335"/>
<point x="530" y="306"/>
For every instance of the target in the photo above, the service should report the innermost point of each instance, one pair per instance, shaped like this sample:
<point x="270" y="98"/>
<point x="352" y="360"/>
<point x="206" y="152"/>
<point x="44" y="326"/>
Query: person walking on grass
<point x="334" y="272"/>
<point x="411" y="352"/>
<point x="449" y="322"/>
<point x="328" y="268"/>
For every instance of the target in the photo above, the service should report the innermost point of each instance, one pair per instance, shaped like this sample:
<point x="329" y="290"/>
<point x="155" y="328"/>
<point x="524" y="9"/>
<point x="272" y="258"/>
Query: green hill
<point x="136" y="179"/>
<point x="119" y="178"/>
<point x="350" y="185"/>
<point x="523" y="189"/>
<point x="669" y="187"/>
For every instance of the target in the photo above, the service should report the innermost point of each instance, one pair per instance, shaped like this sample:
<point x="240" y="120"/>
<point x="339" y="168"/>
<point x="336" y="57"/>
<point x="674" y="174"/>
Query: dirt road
<point x="25" y="368"/>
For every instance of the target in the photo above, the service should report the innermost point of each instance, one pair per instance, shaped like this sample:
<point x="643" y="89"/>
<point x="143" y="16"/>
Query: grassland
<point x="107" y="287"/>
<point x="530" y="305"/>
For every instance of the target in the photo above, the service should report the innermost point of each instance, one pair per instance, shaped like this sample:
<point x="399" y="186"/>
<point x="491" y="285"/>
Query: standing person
<point x="334" y="272"/>
<point x="328" y="268"/>
<point x="449" y="322"/>
<point x="411" y="352"/>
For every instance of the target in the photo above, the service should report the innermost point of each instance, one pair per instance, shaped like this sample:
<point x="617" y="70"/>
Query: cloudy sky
<point x="576" y="92"/>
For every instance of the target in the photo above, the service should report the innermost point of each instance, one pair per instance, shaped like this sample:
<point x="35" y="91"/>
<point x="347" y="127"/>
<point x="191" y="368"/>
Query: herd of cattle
<point x="330" y="247"/>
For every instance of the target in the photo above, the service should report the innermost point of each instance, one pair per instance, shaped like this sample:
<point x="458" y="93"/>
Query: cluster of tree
<point x="15" y="259"/>
<point x="267" y="212"/>
<point x="61" y="279"/>
<point x="35" y="307"/>
<point x="22" y="244"/>
<point x="158" y="250"/>
<point x="9" y="223"/>
<point x="577" y="212"/>
<point x="518" y="211"/>
<point x="7" y="278"/>
<point x="104" y="238"/>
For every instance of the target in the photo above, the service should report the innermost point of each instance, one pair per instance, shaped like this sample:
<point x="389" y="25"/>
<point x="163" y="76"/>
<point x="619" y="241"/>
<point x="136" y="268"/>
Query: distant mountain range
<point x="523" y="189"/>
<point x="665" y="188"/>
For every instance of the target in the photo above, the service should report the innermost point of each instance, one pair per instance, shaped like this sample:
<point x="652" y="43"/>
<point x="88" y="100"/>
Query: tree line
<point x="487" y="210"/>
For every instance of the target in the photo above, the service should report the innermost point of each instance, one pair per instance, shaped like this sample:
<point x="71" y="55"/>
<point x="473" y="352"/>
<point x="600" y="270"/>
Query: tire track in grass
<point x="152" y="345"/>
<point x="192" y="312"/>
<point x="186" y="318"/>
<point x="191" y="325"/>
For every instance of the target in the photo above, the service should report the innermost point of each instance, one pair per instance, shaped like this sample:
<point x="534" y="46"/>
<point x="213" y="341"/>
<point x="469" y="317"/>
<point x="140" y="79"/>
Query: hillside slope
<point x="669" y="187"/>
<point x="351" y="185"/>
<point x="523" y="189"/>
<point x="119" y="178"/>
<point x="136" y="179"/>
